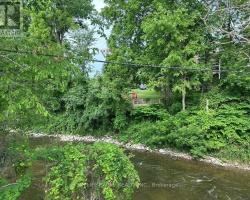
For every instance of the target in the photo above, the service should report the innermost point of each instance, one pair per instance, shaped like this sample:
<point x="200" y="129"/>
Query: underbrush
<point x="152" y="134"/>
<point x="224" y="133"/>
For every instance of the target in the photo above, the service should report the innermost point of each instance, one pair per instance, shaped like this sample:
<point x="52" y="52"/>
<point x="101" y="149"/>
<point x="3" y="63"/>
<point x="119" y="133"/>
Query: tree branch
<point x="9" y="185"/>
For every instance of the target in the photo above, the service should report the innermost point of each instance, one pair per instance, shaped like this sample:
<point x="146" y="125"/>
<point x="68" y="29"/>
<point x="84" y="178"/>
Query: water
<point x="166" y="178"/>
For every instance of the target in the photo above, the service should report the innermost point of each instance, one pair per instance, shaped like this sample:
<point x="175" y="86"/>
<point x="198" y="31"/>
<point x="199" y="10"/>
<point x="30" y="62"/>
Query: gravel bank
<point x="169" y="152"/>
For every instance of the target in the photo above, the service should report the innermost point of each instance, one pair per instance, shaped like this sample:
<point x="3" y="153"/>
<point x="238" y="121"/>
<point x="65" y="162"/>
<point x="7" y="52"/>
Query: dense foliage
<point x="204" y="80"/>
<point x="79" y="171"/>
<point x="100" y="171"/>
<point x="196" y="53"/>
<point x="15" y="160"/>
<point x="45" y="86"/>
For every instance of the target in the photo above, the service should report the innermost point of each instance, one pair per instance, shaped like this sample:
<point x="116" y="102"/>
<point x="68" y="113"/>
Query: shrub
<point x="100" y="171"/>
<point x="152" y="134"/>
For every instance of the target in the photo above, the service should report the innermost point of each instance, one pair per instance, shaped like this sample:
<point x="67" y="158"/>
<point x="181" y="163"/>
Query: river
<point x="167" y="178"/>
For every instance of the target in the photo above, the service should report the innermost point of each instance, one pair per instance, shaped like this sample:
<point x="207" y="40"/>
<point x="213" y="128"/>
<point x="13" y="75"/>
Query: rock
<point x="109" y="139"/>
<point x="161" y="151"/>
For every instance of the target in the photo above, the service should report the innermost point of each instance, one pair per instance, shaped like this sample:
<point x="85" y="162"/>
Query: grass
<point x="148" y="94"/>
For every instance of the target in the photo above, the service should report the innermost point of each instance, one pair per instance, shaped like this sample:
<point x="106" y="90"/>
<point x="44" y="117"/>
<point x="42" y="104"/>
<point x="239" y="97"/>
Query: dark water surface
<point x="166" y="178"/>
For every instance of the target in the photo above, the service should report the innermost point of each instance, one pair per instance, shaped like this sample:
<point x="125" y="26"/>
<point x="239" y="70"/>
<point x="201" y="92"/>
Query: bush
<point x="152" y="134"/>
<point x="99" y="171"/>
<point x="203" y="133"/>
<point x="151" y="113"/>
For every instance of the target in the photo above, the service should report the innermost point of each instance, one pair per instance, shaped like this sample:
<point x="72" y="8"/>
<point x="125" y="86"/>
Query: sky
<point x="100" y="43"/>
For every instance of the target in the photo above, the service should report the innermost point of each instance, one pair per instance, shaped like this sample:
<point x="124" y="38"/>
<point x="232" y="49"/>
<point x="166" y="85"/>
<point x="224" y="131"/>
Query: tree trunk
<point x="168" y="91"/>
<point x="183" y="100"/>
<point x="184" y="93"/>
<point x="168" y="94"/>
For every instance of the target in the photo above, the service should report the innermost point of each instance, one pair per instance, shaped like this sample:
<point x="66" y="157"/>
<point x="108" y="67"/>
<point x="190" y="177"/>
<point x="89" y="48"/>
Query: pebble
<point x="109" y="139"/>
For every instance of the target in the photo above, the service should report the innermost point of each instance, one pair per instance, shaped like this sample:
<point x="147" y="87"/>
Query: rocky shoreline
<point x="169" y="152"/>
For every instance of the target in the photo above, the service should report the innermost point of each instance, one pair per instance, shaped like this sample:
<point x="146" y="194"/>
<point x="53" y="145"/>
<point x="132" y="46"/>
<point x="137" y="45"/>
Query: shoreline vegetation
<point x="141" y="147"/>
<point x="184" y="52"/>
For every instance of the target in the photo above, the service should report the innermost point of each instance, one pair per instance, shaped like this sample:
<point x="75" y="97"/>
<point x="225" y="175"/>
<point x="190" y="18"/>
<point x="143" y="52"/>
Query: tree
<point x="228" y="21"/>
<point x="228" y="18"/>
<point x="38" y="68"/>
<point x="178" y="32"/>
<point x="125" y="38"/>
<point x="165" y="33"/>
<point x="55" y="18"/>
